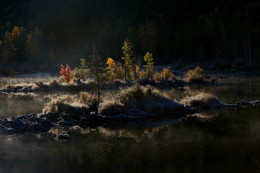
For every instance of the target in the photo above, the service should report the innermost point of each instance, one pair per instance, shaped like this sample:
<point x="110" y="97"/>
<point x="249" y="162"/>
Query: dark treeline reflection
<point x="39" y="35"/>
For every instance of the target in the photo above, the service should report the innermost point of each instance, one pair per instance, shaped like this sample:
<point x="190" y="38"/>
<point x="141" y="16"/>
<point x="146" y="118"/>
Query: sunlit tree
<point x="127" y="50"/>
<point x="148" y="58"/>
<point x="114" y="70"/>
<point x="65" y="72"/>
<point x="167" y="74"/>
<point x="110" y="68"/>
<point x="83" y="69"/>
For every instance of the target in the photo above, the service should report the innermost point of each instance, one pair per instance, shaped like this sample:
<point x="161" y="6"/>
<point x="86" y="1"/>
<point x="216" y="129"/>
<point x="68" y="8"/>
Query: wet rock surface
<point x="37" y="123"/>
<point x="243" y="103"/>
<point x="25" y="123"/>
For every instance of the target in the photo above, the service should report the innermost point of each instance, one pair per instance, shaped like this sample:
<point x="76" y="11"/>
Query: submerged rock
<point x="255" y="102"/>
<point x="51" y="116"/>
<point x="63" y="122"/>
<point x="243" y="103"/>
<point x="95" y="119"/>
<point x="91" y="120"/>
<point x="64" y="137"/>
<point x="25" y="123"/>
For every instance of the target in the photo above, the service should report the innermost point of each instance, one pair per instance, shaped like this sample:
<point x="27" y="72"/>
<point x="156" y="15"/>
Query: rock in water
<point x="63" y="137"/>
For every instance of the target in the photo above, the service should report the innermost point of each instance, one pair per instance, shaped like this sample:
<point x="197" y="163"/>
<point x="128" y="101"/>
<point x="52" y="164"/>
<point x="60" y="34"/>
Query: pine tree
<point x="97" y="69"/>
<point x="128" y="59"/>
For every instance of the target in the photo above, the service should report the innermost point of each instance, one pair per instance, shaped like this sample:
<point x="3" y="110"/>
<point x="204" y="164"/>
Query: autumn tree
<point x="97" y="69"/>
<point x="114" y="70"/>
<point x="141" y="74"/>
<point x="127" y="50"/>
<point x="65" y="72"/>
<point x="148" y="58"/>
<point x="167" y="74"/>
<point x="110" y="68"/>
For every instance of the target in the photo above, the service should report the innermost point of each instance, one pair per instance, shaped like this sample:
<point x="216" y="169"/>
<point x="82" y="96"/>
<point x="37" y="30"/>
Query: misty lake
<point x="224" y="141"/>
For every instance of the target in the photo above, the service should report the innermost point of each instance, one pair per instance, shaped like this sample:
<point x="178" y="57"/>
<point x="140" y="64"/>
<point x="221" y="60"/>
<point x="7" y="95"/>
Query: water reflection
<point x="229" y="143"/>
<point x="224" y="141"/>
<point x="204" y="116"/>
<point x="23" y="104"/>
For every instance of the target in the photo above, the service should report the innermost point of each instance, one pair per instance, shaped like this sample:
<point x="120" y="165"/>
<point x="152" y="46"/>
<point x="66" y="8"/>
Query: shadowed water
<point x="227" y="141"/>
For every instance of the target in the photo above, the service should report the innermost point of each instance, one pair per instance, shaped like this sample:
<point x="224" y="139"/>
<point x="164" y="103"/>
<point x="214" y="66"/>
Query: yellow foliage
<point x="167" y="74"/>
<point x="128" y="59"/>
<point x="195" y="75"/>
<point x="199" y="71"/>
<point x="137" y="69"/>
<point x="157" y="76"/>
<point x="140" y="73"/>
<point x="111" y="63"/>
<point x="148" y="58"/>
<point x="114" y="70"/>
<point x="16" y="33"/>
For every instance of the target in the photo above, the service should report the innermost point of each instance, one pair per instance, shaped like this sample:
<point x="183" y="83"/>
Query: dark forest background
<point x="39" y="35"/>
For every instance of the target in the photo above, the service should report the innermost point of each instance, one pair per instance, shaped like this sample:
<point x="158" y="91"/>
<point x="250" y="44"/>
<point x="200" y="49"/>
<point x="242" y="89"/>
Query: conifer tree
<point x="97" y="69"/>
<point x="128" y="59"/>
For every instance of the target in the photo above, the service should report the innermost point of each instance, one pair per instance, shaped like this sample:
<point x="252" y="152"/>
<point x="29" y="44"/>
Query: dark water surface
<point x="226" y="141"/>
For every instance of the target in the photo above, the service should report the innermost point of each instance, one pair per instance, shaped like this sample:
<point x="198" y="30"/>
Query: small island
<point x="129" y="86"/>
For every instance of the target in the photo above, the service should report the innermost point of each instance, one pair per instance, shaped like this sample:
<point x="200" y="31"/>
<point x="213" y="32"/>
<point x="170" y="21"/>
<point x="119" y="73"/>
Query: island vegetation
<point x="138" y="98"/>
<point x="135" y="70"/>
<point x="129" y="86"/>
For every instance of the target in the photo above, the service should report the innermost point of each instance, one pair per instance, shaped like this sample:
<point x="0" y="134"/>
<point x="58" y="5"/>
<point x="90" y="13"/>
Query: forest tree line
<point x="42" y="34"/>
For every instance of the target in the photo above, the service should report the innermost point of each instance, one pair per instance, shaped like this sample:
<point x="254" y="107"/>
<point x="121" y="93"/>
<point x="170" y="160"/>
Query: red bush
<point x="66" y="73"/>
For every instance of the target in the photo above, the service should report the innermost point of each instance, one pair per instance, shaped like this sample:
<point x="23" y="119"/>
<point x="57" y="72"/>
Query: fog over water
<point x="227" y="141"/>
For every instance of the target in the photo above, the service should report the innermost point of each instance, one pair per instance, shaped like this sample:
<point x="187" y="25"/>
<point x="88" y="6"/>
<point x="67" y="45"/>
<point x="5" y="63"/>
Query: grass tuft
<point x="203" y="100"/>
<point x="111" y="107"/>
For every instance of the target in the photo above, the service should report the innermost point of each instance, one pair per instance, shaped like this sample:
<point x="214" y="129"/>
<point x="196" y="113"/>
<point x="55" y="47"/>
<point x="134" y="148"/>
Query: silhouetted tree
<point x="97" y="69"/>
